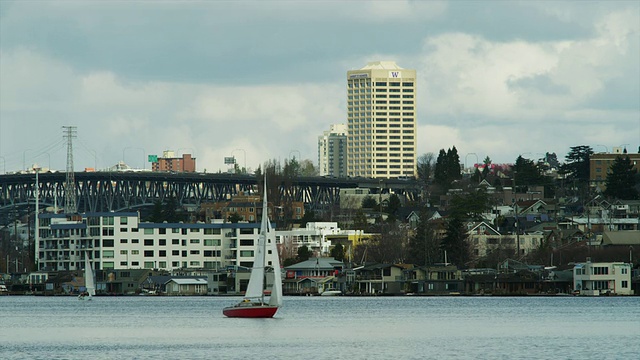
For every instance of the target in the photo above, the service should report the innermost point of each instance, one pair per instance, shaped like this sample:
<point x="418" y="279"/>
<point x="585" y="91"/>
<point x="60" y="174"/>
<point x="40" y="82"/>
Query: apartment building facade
<point x="332" y="152"/>
<point x="170" y="162"/>
<point x="382" y="121"/>
<point x="122" y="241"/>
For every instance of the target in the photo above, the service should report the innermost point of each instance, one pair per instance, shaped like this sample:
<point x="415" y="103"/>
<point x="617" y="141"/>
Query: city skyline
<point x="496" y="79"/>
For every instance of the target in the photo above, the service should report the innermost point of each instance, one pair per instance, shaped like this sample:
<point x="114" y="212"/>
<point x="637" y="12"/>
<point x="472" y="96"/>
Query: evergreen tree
<point x="621" y="180"/>
<point x="455" y="242"/>
<point x="338" y="252"/>
<point x="526" y="172"/>
<point x="394" y="205"/>
<point x="303" y="253"/>
<point x="156" y="214"/>
<point x="234" y="218"/>
<point x="369" y="202"/>
<point x="440" y="171"/>
<point x="576" y="166"/>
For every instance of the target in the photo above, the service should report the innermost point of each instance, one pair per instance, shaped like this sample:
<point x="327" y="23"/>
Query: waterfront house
<point x="438" y="279"/>
<point x="186" y="286"/>
<point x="380" y="279"/>
<point x="602" y="278"/>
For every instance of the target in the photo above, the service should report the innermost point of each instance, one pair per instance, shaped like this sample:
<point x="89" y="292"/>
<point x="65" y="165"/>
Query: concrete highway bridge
<point x="117" y="191"/>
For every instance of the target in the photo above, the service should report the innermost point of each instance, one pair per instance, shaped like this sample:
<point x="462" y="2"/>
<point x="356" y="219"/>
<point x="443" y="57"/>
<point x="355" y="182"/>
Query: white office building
<point x="381" y="119"/>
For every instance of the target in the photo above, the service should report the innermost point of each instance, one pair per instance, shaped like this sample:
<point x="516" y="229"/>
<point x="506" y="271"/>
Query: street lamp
<point x="144" y="153"/>
<point x="24" y="166"/>
<point x="48" y="160"/>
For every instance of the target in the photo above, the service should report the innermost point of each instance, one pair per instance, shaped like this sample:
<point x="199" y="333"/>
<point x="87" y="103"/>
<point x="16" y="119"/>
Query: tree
<point x="425" y="167"/>
<point x="360" y="221"/>
<point x="369" y="202"/>
<point x="424" y="247"/>
<point x="234" y="218"/>
<point x="477" y="176"/>
<point x="576" y="165"/>
<point x="307" y="168"/>
<point x="455" y="242"/>
<point x="303" y="253"/>
<point x="471" y="205"/>
<point x="393" y="206"/>
<point x="338" y="252"/>
<point x="156" y="214"/>
<point x="388" y="246"/>
<point x="621" y="179"/>
<point x="526" y="172"/>
<point x="447" y="168"/>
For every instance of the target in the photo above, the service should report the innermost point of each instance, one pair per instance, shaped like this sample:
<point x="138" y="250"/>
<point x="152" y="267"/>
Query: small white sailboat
<point x="89" y="281"/>
<point x="254" y="304"/>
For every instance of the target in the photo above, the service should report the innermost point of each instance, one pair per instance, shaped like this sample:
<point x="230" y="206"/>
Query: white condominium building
<point x="381" y="119"/>
<point x="121" y="241"/>
<point x="332" y="151"/>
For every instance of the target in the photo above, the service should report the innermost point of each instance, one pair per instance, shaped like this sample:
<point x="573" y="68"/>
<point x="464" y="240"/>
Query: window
<point x="148" y="242"/>
<point x="246" y="253"/>
<point x="107" y="231"/>
<point x="123" y="241"/>
<point x="162" y="253"/>
<point x="246" y="242"/>
<point x="194" y="230"/>
<point x="135" y="263"/>
<point x="211" y="242"/>
<point x="175" y="241"/>
<point x="107" y="265"/>
<point x="194" y="252"/>
<point x="123" y="252"/>
<point x="162" y="242"/>
<point x="148" y="253"/>
<point x="123" y="220"/>
<point x="135" y="252"/>
<point x="162" y="231"/>
<point x="194" y="241"/>
<point x="123" y="229"/>
<point x="175" y="252"/>
<point x="625" y="284"/>
<point x="107" y="254"/>
<point x="107" y="220"/>
<point x="135" y="241"/>
<point x="212" y="231"/>
<point x="246" y="231"/>
<point x="148" y="231"/>
<point x="107" y="243"/>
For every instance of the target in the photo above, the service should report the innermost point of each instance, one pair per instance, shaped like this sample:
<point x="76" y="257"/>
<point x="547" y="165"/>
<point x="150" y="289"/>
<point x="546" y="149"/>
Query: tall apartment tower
<point x="381" y="119"/>
<point x="332" y="151"/>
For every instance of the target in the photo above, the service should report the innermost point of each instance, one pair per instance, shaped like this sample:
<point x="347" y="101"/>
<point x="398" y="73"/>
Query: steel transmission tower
<point x="70" y="206"/>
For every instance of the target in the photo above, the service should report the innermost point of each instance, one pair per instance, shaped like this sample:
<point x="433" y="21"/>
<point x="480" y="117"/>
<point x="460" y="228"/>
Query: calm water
<point x="321" y="328"/>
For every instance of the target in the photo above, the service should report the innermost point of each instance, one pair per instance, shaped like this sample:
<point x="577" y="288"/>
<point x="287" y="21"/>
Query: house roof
<point x="628" y="237"/>
<point x="188" y="281"/>
<point x="322" y="263"/>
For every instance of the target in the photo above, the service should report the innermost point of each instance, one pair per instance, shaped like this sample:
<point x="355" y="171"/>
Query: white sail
<point x="255" y="288"/>
<point x="274" y="261"/>
<point x="88" y="275"/>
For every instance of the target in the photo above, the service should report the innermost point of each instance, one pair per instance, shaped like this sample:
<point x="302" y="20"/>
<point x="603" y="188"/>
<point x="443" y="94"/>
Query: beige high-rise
<point x="381" y="119"/>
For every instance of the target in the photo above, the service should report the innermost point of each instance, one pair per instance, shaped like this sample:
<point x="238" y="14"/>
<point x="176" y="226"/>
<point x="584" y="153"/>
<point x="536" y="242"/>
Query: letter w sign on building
<point x="395" y="74"/>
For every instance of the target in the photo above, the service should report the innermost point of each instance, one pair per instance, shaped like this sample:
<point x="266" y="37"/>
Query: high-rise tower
<point x="381" y="119"/>
<point x="332" y="151"/>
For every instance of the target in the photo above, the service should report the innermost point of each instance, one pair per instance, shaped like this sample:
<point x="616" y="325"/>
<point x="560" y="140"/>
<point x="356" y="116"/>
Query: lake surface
<point x="409" y="327"/>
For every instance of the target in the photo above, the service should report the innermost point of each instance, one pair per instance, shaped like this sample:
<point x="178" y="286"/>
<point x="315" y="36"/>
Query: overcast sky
<point x="264" y="79"/>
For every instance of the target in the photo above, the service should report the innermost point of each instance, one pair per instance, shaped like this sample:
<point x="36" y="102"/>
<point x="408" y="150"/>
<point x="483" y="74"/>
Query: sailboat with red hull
<point x="254" y="303"/>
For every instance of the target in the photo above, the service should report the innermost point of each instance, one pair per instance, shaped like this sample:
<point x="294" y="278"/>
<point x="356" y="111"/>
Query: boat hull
<point x="250" y="311"/>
